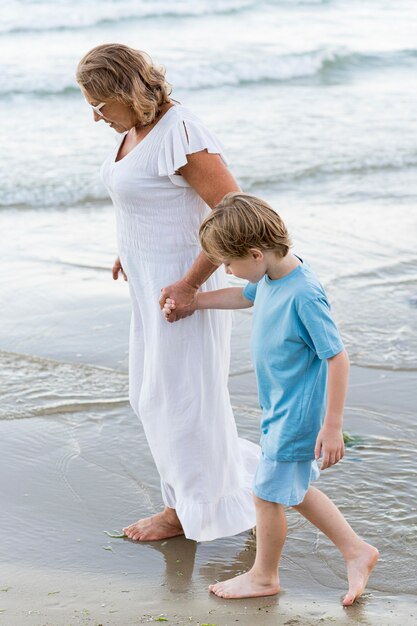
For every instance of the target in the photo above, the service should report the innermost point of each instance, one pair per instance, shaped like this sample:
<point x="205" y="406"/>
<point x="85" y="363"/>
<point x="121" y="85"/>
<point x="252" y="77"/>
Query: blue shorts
<point x="284" y="482"/>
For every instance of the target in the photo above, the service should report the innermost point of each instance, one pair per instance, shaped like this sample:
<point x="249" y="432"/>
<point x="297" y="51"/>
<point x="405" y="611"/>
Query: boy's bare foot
<point x="246" y="586"/>
<point x="359" y="569"/>
<point x="160" y="526"/>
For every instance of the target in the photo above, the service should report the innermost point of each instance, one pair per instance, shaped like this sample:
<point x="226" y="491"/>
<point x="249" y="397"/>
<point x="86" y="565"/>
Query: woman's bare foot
<point x="359" y="569"/>
<point x="247" y="585"/>
<point x="160" y="526"/>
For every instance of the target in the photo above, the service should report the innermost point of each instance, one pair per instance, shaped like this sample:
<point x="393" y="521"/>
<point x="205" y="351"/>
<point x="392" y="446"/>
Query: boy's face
<point x="252" y="267"/>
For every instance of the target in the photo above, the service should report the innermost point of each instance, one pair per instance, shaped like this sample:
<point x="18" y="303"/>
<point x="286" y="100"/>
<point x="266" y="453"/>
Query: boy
<point x="302" y="374"/>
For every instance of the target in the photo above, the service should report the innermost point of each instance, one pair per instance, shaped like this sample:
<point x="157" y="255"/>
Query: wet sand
<point x="40" y="599"/>
<point x="76" y="464"/>
<point x="78" y="471"/>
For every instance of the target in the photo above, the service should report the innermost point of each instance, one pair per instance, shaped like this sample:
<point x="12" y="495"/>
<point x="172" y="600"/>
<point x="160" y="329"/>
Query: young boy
<point x="302" y="373"/>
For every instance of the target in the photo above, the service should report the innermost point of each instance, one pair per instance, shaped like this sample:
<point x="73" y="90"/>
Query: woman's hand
<point x="117" y="267"/>
<point x="185" y="299"/>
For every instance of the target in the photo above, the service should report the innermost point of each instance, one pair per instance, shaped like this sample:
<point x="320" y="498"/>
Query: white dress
<point x="178" y="372"/>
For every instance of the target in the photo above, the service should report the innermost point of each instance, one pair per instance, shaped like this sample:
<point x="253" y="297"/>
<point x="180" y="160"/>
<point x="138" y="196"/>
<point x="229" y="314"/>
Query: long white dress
<point x="178" y="372"/>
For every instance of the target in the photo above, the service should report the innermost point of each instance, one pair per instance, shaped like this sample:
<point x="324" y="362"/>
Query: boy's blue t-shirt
<point x="292" y="336"/>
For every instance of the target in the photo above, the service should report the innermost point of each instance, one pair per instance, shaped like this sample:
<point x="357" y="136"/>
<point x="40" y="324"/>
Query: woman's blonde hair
<point x="117" y="72"/>
<point x="241" y="222"/>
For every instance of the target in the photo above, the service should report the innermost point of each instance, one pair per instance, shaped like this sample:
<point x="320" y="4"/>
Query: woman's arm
<point x="210" y="178"/>
<point x="229" y="298"/>
<point x="330" y="437"/>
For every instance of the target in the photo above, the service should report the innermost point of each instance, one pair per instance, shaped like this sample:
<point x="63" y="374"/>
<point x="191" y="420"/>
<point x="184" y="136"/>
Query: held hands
<point x="182" y="301"/>
<point x="330" y="444"/>
<point x="117" y="267"/>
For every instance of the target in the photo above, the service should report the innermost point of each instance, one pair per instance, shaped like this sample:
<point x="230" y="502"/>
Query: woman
<point x="163" y="175"/>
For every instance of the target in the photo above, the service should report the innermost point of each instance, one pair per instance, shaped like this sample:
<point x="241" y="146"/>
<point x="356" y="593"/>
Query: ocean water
<point x="314" y="101"/>
<point x="315" y="104"/>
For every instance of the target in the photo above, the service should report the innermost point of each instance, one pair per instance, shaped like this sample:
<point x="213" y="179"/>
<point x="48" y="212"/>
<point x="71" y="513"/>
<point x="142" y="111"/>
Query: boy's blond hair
<point x="241" y="222"/>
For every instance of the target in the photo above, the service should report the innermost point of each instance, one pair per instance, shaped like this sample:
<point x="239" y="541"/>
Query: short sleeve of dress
<point x="185" y="136"/>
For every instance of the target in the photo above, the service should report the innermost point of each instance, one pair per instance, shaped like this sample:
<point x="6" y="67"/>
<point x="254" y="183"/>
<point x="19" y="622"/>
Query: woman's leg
<point x="262" y="579"/>
<point x="360" y="556"/>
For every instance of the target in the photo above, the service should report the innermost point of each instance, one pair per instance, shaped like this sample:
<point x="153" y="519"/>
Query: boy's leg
<point x="360" y="556"/>
<point x="262" y="579"/>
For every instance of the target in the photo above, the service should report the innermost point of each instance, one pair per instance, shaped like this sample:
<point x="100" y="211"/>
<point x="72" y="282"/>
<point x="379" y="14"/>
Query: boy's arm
<point x="229" y="298"/>
<point x="330" y="438"/>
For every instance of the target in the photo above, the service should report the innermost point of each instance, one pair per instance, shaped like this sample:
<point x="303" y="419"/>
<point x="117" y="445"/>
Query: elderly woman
<point x="164" y="174"/>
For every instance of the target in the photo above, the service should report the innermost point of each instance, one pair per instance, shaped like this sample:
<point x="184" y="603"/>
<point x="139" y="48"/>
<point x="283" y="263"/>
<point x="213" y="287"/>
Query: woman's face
<point x="118" y="115"/>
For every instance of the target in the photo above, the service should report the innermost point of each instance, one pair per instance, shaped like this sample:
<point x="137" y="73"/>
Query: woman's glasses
<point x="97" y="107"/>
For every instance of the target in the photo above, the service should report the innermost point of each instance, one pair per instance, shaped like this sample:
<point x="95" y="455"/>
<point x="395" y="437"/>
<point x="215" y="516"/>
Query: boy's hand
<point x="168" y="307"/>
<point x="329" y="443"/>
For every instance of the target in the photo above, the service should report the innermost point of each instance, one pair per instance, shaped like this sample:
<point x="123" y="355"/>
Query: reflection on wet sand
<point x="215" y="569"/>
<point x="179" y="555"/>
<point x="179" y="558"/>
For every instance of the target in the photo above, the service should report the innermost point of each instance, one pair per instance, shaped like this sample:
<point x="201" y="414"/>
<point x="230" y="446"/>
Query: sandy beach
<point x="77" y="467"/>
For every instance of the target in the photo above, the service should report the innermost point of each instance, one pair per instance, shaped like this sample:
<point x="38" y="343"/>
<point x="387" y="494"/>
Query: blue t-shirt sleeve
<point x="249" y="291"/>
<point x="318" y="329"/>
